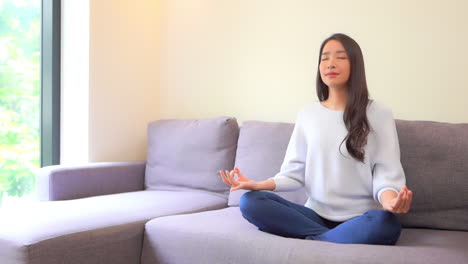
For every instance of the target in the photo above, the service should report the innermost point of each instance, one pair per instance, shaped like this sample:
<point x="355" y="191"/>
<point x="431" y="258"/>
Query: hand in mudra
<point x="400" y="204"/>
<point x="241" y="182"/>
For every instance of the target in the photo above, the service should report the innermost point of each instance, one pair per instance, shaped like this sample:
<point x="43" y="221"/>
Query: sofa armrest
<point x="65" y="182"/>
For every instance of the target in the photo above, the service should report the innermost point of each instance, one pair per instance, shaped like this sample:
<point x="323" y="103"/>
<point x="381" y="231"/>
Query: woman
<point x="355" y="189"/>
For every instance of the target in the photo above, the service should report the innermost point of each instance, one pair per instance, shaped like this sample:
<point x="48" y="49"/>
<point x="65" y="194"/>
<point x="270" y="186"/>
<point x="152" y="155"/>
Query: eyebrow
<point x="338" y="51"/>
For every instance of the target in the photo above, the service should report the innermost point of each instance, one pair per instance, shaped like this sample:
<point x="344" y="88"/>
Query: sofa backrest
<point x="434" y="157"/>
<point x="260" y="152"/>
<point x="188" y="153"/>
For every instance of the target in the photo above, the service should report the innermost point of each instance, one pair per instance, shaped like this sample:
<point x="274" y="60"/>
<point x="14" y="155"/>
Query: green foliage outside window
<point x="20" y="29"/>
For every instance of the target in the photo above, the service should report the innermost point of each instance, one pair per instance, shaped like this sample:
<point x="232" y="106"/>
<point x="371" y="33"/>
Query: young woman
<point x="344" y="149"/>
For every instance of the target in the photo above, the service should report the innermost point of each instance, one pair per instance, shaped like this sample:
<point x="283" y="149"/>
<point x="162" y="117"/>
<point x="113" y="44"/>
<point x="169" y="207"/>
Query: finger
<point x="406" y="189"/>
<point x="224" y="178"/>
<point x="399" y="200"/>
<point x="400" y="193"/>
<point x="231" y="179"/>
<point x="410" y="200"/>
<point x="226" y="173"/>
<point x="236" y="188"/>
<point x="240" y="175"/>
<point x="237" y="171"/>
<point x="404" y="200"/>
<point x="233" y="173"/>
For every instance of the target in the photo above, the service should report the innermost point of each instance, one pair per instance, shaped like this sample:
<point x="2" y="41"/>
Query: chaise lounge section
<point x="95" y="213"/>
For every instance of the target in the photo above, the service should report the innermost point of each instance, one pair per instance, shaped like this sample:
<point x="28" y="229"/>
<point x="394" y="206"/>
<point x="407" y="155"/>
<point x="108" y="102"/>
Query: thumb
<point x="239" y="186"/>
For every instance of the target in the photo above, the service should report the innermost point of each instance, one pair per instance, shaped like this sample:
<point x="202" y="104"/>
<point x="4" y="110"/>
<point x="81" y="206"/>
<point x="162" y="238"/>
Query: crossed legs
<point x="274" y="214"/>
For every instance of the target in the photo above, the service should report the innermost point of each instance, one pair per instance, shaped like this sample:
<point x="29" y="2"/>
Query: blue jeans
<point x="276" y="215"/>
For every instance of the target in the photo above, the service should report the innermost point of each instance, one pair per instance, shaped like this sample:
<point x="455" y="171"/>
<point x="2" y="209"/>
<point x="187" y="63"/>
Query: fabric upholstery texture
<point x="260" y="152"/>
<point x="64" y="182"/>
<point x="224" y="236"/>
<point x="100" y="229"/>
<point x="188" y="153"/>
<point x="179" y="211"/>
<point x="434" y="156"/>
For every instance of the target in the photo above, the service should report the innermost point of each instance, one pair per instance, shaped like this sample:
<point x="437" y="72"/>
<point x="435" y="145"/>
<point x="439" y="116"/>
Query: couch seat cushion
<point x="100" y="229"/>
<point x="224" y="236"/>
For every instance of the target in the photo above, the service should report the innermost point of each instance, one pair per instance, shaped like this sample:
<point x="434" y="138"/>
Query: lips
<point x="331" y="74"/>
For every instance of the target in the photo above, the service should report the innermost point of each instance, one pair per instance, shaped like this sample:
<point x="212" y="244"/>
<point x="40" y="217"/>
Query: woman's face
<point x="334" y="64"/>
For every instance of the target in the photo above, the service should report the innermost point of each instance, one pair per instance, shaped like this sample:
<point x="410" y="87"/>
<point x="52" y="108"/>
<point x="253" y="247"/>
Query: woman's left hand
<point x="400" y="204"/>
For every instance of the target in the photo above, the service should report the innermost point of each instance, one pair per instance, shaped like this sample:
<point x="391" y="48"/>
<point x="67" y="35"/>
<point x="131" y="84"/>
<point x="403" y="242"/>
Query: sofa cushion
<point x="188" y="153"/>
<point x="224" y="236"/>
<point x="260" y="152"/>
<point x="434" y="156"/>
<point x="100" y="229"/>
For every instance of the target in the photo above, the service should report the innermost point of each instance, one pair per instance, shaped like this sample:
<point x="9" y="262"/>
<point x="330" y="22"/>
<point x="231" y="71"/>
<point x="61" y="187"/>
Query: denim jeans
<point x="276" y="215"/>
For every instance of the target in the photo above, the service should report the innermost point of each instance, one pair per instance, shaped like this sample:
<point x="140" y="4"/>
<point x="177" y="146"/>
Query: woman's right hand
<point x="242" y="182"/>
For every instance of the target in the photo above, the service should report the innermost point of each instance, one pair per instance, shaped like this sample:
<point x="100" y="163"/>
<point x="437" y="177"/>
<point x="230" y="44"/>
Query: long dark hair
<point x="354" y="117"/>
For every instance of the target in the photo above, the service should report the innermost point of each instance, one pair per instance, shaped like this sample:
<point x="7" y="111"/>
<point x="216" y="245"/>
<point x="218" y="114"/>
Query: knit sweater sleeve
<point x="387" y="171"/>
<point x="291" y="175"/>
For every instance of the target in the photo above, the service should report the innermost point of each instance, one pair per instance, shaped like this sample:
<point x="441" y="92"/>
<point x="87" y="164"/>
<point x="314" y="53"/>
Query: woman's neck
<point x="337" y="98"/>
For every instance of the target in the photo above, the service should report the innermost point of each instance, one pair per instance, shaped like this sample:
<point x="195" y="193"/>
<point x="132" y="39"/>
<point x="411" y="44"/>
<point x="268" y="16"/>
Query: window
<point x="29" y="97"/>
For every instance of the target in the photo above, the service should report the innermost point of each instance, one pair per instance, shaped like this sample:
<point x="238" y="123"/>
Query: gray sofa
<point x="174" y="207"/>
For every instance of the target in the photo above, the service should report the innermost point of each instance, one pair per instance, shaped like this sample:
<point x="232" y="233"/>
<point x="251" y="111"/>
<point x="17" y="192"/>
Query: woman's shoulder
<point x="378" y="109"/>
<point x="380" y="116"/>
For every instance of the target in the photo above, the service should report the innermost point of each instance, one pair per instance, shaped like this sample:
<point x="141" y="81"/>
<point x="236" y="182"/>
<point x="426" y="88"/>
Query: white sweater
<point x="338" y="186"/>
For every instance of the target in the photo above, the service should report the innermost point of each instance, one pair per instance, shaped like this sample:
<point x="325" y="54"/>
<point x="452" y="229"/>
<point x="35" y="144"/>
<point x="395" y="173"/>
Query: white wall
<point x="74" y="118"/>
<point x="124" y="77"/>
<point x="257" y="60"/>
